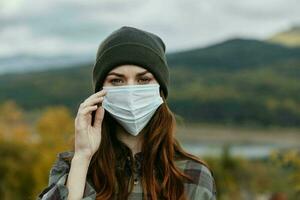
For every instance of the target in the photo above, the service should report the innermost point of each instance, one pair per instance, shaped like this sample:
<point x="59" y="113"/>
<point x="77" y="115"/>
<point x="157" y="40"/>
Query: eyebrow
<point x="121" y="75"/>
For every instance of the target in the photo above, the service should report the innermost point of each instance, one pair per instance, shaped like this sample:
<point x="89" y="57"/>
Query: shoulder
<point x="65" y="156"/>
<point x="63" y="159"/>
<point x="201" y="177"/>
<point x="57" y="188"/>
<point x="61" y="166"/>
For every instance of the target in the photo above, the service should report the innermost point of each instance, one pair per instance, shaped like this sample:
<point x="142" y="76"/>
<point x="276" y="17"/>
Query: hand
<point x="88" y="136"/>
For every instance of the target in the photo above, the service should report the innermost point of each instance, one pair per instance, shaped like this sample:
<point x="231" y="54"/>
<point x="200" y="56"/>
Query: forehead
<point x="124" y="69"/>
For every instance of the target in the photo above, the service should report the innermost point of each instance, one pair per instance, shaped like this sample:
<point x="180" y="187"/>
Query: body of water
<point x="241" y="150"/>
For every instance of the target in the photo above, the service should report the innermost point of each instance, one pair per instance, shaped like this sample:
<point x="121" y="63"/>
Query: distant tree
<point x="13" y="125"/>
<point x="55" y="129"/>
<point x="16" y="171"/>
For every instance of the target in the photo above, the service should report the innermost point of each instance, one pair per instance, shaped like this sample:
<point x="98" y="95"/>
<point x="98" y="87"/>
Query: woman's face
<point x="129" y="75"/>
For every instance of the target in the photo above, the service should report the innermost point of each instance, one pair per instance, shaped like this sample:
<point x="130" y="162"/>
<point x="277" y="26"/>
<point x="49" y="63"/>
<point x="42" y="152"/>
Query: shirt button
<point x="136" y="181"/>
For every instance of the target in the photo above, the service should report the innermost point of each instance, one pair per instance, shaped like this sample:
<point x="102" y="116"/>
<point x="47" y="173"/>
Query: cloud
<point x="75" y="27"/>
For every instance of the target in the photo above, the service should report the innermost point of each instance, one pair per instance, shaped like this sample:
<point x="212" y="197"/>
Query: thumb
<point x="99" y="116"/>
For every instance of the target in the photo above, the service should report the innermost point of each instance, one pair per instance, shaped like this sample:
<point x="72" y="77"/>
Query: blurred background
<point x="235" y="71"/>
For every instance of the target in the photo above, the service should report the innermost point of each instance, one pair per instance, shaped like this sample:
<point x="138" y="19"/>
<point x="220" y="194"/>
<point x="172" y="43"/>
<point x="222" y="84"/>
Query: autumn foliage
<point x="30" y="141"/>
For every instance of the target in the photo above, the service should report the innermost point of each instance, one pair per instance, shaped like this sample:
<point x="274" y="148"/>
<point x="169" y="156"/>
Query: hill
<point x="235" y="54"/>
<point x="289" y="38"/>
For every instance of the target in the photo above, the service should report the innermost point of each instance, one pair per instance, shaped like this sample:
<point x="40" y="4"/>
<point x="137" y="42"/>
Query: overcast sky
<point x="74" y="27"/>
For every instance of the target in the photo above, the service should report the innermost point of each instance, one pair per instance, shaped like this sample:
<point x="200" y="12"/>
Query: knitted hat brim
<point x="131" y="53"/>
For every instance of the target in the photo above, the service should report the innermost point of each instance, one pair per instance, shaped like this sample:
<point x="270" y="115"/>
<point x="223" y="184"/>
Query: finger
<point x="97" y="94"/>
<point x="91" y="102"/>
<point x="88" y="110"/>
<point x="99" y="117"/>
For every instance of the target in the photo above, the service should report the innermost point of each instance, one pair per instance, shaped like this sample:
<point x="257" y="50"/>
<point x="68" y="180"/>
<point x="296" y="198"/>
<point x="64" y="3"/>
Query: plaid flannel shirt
<point x="202" y="187"/>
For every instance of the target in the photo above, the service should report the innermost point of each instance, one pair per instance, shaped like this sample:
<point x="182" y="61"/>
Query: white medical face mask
<point x="132" y="105"/>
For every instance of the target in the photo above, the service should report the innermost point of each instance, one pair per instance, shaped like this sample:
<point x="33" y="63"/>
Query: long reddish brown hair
<point x="161" y="179"/>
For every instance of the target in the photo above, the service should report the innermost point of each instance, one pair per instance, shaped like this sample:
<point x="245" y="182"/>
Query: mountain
<point x="239" y="81"/>
<point x="289" y="38"/>
<point x="23" y="63"/>
<point x="233" y="54"/>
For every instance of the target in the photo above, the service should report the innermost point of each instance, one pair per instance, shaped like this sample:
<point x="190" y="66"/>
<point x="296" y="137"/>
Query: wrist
<point x="81" y="157"/>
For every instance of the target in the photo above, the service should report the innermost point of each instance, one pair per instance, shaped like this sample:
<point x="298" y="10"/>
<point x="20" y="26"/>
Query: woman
<point x="124" y="144"/>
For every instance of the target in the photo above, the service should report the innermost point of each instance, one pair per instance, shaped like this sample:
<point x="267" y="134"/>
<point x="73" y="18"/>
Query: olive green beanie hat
<point x="129" y="45"/>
